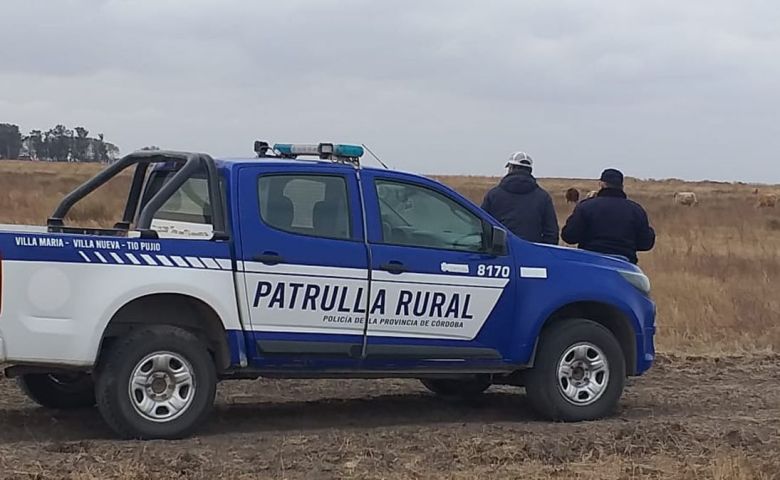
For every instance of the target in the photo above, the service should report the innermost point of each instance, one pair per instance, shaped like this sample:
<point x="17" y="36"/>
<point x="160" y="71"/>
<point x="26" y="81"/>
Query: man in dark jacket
<point x="521" y="205"/>
<point x="610" y="223"/>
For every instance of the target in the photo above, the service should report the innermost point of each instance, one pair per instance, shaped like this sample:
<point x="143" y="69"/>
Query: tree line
<point x="58" y="144"/>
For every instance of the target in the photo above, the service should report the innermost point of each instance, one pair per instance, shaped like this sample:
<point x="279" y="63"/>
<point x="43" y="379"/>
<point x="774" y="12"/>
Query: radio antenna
<point x="374" y="155"/>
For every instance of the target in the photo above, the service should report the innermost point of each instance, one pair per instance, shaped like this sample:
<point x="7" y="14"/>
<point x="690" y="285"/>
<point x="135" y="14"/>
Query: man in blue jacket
<point x="610" y="223"/>
<point x="521" y="205"/>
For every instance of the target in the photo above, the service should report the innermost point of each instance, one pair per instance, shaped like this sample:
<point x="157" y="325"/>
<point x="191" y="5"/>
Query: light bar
<point x="322" y="150"/>
<point x="353" y="151"/>
<point x="296" y="149"/>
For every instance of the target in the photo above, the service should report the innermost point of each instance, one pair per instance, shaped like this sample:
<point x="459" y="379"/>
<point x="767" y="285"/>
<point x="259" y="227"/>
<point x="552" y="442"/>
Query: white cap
<point x="520" y="159"/>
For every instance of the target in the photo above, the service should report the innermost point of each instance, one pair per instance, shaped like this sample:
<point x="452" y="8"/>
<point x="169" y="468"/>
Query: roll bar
<point x="192" y="163"/>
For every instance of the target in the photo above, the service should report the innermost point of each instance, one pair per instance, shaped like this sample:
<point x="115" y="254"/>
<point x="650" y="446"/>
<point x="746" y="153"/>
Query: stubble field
<point x="709" y="409"/>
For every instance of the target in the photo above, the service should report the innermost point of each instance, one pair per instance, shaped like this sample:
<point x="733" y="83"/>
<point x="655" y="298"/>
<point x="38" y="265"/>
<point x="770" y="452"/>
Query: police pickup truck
<point x="301" y="263"/>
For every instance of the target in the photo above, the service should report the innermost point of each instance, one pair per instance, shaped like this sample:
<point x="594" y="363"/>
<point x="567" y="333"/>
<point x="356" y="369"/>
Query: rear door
<point x="445" y="298"/>
<point x="304" y="263"/>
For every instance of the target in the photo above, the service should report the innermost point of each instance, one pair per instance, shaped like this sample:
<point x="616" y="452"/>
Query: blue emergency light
<point x="352" y="151"/>
<point x="322" y="150"/>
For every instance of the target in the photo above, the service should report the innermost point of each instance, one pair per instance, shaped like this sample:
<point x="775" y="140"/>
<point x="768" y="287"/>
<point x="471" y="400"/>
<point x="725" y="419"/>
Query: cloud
<point x="656" y="88"/>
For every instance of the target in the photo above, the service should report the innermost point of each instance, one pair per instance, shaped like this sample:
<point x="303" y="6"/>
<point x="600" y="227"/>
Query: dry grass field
<point x="30" y="191"/>
<point x="709" y="409"/>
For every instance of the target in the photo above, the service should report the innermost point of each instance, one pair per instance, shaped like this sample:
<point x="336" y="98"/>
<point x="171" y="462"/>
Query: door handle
<point x="268" y="258"/>
<point x="394" y="267"/>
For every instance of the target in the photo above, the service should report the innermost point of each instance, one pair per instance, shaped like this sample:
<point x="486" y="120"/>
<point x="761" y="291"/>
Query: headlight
<point x="638" y="280"/>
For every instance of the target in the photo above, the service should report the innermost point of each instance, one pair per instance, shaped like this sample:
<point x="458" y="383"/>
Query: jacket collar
<point x="519" y="183"/>
<point x="612" y="192"/>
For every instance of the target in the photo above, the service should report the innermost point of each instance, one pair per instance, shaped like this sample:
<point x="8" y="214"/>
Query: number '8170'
<point x="497" y="271"/>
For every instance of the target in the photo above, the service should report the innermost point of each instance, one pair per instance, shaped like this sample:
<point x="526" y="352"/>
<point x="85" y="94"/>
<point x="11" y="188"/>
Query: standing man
<point x="521" y="205"/>
<point x="610" y="223"/>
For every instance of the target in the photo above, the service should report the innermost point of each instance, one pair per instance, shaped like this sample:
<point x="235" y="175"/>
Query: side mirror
<point x="498" y="242"/>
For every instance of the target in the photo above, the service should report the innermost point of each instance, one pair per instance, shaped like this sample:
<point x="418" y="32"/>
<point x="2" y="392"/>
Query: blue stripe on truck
<point x="181" y="253"/>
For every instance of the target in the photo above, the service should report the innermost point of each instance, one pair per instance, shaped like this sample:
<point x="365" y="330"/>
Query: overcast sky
<point x="657" y="88"/>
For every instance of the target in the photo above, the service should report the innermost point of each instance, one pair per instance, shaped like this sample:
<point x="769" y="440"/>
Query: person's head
<point x="520" y="162"/>
<point x="611" y="178"/>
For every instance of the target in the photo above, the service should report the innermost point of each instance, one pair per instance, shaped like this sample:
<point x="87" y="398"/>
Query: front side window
<point x="417" y="216"/>
<point x="315" y="205"/>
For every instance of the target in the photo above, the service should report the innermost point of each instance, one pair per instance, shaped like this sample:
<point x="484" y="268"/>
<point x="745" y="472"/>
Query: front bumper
<point x="645" y="340"/>
<point x="647" y="356"/>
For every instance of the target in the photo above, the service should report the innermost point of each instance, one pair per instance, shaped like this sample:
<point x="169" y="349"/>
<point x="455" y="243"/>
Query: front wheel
<point x="579" y="372"/>
<point x="158" y="382"/>
<point x="62" y="391"/>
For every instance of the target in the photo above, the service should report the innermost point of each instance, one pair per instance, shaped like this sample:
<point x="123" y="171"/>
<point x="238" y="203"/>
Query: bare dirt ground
<point x="689" y="418"/>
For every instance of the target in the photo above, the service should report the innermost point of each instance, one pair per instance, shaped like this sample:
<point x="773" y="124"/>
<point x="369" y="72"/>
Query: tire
<point x="457" y="388"/>
<point x="175" y="388"/>
<point x="61" y="391"/>
<point x="575" y="346"/>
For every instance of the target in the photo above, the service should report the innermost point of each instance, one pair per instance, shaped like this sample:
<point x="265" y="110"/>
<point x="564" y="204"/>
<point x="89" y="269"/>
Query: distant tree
<point x="101" y="152"/>
<point x="59" y="141"/>
<point x="151" y="147"/>
<point x="80" y="145"/>
<point x="36" y="146"/>
<point x="10" y="140"/>
<point x="58" y="144"/>
<point x="112" y="152"/>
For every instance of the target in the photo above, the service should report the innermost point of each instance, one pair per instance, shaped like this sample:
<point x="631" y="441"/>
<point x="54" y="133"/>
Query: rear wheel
<point x="579" y="372"/>
<point x="59" y="390"/>
<point x="158" y="382"/>
<point x="457" y="388"/>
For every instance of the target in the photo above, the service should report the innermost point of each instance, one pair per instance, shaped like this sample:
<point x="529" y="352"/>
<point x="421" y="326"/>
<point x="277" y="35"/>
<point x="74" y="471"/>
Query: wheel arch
<point x="175" y="309"/>
<point x="609" y="316"/>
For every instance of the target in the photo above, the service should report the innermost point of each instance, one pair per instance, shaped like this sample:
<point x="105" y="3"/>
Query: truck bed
<point x="11" y="228"/>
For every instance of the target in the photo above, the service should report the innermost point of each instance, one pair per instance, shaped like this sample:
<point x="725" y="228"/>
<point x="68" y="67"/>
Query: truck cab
<point x="303" y="263"/>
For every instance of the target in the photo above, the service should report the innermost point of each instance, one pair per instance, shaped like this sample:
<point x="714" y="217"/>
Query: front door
<point x="446" y="299"/>
<point x="304" y="266"/>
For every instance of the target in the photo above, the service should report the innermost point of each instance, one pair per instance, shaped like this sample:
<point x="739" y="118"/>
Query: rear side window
<point x="316" y="205"/>
<point x="190" y="203"/>
<point x="187" y="213"/>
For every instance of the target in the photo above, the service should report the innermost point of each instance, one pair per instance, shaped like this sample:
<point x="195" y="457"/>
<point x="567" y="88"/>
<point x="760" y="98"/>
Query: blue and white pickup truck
<point x="285" y="267"/>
